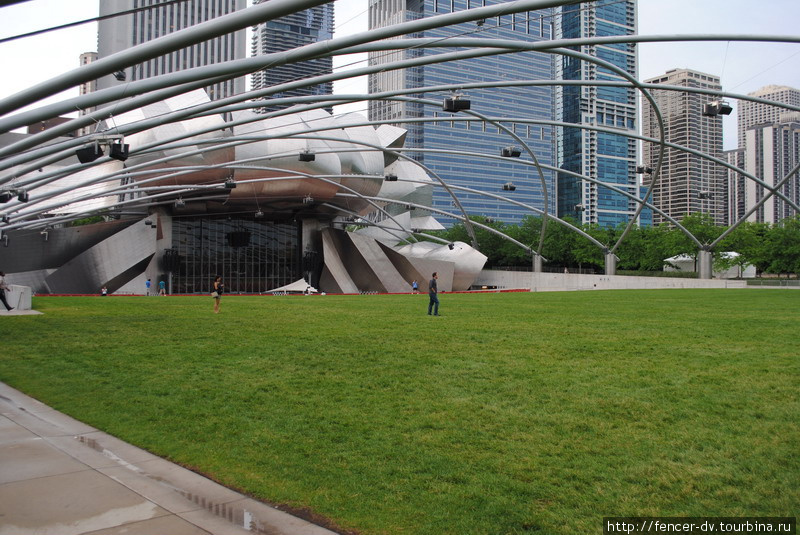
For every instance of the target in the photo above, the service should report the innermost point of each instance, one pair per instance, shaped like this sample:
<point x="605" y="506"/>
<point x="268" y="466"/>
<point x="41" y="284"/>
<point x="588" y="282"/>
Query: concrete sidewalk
<point x="61" y="477"/>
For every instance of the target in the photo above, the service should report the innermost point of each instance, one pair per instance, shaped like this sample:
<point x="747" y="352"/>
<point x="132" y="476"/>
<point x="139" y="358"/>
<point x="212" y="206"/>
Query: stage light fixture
<point x="89" y="154"/>
<point x="119" y="151"/>
<point x="717" y="107"/>
<point x="456" y="104"/>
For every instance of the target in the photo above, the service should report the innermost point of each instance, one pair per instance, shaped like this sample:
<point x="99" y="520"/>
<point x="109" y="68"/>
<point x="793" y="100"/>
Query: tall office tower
<point x="517" y="107"/>
<point x="119" y="33"/>
<point x="688" y="183"/>
<point x="753" y="113"/>
<point x="772" y="150"/>
<point x="606" y="157"/>
<point x="86" y="88"/>
<point x="295" y="30"/>
<point x="735" y="184"/>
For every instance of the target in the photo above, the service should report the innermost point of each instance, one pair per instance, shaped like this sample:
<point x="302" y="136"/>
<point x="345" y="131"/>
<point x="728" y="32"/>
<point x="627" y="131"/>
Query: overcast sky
<point x="743" y="67"/>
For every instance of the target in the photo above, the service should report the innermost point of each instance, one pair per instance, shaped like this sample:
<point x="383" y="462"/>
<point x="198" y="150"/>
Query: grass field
<point x="511" y="413"/>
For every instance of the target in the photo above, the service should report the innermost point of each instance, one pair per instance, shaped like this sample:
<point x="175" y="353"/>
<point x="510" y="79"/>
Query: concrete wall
<point x="547" y="282"/>
<point x="18" y="297"/>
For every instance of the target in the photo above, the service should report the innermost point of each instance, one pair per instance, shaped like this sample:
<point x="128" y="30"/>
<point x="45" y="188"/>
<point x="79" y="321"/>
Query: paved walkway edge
<point x="108" y="486"/>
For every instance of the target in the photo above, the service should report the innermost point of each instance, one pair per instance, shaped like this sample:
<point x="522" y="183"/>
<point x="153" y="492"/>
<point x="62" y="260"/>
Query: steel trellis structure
<point x="24" y="157"/>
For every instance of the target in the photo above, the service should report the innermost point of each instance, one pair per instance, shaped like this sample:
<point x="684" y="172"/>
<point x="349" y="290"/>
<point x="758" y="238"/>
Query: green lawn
<point x="511" y="413"/>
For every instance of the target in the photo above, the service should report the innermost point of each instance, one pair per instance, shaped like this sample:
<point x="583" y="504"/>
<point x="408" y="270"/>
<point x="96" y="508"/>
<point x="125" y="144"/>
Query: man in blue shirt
<point x="433" y="293"/>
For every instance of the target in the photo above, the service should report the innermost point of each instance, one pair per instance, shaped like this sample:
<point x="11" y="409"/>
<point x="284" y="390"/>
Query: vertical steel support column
<point x="704" y="271"/>
<point x="537" y="263"/>
<point x="611" y="263"/>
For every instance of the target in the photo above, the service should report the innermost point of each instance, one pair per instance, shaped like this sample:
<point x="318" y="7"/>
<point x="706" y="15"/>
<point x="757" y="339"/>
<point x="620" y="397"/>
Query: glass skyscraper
<point x="285" y="33"/>
<point x="122" y="32"/>
<point x="512" y="105"/>
<point x="603" y="156"/>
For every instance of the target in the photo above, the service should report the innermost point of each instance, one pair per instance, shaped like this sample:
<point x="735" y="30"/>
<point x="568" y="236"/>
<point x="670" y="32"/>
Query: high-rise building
<point x="86" y="88"/>
<point x="292" y="31"/>
<point x="120" y="33"/>
<point x="512" y="105"/>
<point x="688" y="183"/>
<point x="606" y="157"/>
<point x="753" y="113"/>
<point x="772" y="150"/>
<point x="736" y="184"/>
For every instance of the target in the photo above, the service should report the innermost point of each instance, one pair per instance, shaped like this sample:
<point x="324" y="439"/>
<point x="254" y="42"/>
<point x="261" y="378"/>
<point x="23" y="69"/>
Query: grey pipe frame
<point x="236" y="141"/>
<point x="642" y="39"/>
<point x="112" y="94"/>
<point x="128" y="171"/>
<point x="219" y="106"/>
<point x="237" y="20"/>
<point x="235" y="68"/>
<point x="44" y="178"/>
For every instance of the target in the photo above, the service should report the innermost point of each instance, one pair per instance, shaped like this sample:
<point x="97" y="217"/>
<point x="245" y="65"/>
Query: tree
<point x="745" y="240"/>
<point x="783" y="247"/>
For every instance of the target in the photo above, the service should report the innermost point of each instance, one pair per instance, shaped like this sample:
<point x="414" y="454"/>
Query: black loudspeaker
<point x="89" y="154"/>
<point x="171" y="261"/>
<point x="238" y="238"/>
<point x="119" y="151"/>
<point x="454" y="105"/>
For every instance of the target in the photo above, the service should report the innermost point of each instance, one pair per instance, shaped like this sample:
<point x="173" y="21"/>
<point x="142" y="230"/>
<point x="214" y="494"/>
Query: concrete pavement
<point x="59" y="476"/>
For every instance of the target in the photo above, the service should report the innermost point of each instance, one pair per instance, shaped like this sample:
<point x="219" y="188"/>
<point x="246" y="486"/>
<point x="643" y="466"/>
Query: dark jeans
<point x="3" y="299"/>
<point x="434" y="303"/>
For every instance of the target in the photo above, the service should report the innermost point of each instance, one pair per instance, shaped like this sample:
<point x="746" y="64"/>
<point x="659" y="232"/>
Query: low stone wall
<point x="19" y="297"/>
<point x="550" y="282"/>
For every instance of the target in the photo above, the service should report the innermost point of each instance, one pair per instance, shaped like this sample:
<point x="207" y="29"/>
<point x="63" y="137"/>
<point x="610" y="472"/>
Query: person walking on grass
<point x="433" y="293"/>
<point x="216" y="292"/>
<point x="3" y="288"/>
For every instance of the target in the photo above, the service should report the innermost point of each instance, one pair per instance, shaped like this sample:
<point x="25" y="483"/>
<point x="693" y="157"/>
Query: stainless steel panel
<point x="334" y="266"/>
<point x="89" y="271"/>
<point x="390" y="278"/>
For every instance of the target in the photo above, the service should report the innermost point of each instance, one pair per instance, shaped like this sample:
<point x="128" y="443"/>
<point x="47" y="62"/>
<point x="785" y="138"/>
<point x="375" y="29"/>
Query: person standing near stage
<point x="162" y="288"/>
<point x="216" y="292"/>
<point x="433" y="293"/>
<point x="147" y="284"/>
<point x="3" y="288"/>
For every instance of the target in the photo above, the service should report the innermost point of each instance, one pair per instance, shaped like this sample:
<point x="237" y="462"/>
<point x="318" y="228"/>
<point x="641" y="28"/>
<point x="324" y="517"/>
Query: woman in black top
<point x="216" y="292"/>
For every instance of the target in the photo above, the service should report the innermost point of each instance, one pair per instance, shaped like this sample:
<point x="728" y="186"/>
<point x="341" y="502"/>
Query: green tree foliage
<point x="772" y="249"/>
<point x="783" y="247"/>
<point x="86" y="221"/>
